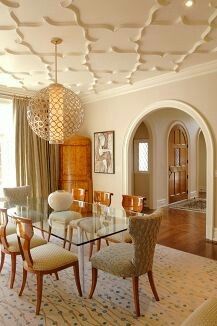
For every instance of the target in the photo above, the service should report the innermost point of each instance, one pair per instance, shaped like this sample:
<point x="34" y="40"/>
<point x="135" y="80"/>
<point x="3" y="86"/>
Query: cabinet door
<point x="75" y="162"/>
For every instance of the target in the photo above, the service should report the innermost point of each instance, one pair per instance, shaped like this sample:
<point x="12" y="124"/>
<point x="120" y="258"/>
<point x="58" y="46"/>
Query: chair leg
<point x="135" y="280"/>
<point x="77" y="278"/>
<point x="98" y="244"/>
<point x="2" y="260"/>
<point x="151" y="281"/>
<point x="13" y="269"/>
<point x="70" y="237"/>
<point x="91" y="249"/>
<point x="49" y="233"/>
<point x="107" y="242"/>
<point x="94" y="281"/>
<point x="39" y="291"/>
<point x="23" y="282"/>
<point x="65" y="236"/>
<point x="57" y="276"/>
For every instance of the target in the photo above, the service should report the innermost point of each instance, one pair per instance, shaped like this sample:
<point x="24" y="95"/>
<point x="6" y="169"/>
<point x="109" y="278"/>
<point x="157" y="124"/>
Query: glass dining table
<point x="83" y="223"/>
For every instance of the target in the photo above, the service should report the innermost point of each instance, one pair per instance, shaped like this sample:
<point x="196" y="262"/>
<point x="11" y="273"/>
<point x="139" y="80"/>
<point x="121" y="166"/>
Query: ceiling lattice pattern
<point x="106" y="44"/>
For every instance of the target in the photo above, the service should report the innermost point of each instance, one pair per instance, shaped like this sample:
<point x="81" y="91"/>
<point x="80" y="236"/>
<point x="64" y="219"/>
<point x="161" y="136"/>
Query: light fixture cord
<point x="56" y="63"/>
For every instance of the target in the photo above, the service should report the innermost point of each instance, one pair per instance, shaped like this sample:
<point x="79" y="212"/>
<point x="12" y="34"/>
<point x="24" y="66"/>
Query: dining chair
<point x="11" y="227"/>
<point x="17" y="195"/>
<point x="103" y="198"/>
<point x="47" y="259"/>
<point x="63" y="218"/>
<point x="132" y="205"/>
<point x="131" y="260"/>
<point x="9" y="244"/>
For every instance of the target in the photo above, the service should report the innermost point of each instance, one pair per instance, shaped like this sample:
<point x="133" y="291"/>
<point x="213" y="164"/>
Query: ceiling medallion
<point x="55" y="113"/>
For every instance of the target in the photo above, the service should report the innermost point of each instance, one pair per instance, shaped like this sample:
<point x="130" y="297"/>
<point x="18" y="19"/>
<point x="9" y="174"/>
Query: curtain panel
<point x="37" y="161"/>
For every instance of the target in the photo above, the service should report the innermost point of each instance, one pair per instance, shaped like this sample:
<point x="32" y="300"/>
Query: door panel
<point x="178" y="164"/>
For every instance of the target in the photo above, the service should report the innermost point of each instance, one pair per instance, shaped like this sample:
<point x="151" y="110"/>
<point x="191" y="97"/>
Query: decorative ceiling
<point x="106" y="43"/>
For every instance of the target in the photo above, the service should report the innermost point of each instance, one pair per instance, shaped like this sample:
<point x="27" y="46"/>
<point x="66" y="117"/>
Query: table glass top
<point x="85" y="221"/>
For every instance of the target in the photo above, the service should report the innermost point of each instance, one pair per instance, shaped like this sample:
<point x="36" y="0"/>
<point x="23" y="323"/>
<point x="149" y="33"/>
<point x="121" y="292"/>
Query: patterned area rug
<point x="194" y="204"/>
<point x="183" y="282"/>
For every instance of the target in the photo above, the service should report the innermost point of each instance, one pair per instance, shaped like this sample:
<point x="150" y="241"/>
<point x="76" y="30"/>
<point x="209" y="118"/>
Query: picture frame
<point x="104" y="161"/>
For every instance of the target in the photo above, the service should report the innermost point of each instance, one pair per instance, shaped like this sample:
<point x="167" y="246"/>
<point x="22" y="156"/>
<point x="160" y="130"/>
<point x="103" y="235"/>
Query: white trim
<point x="215" y="234"/>
<point x="209" y="145"/>
<point x="193" y="194"/>
<point x="171" y="77"/>
<point x="162" y="202"/>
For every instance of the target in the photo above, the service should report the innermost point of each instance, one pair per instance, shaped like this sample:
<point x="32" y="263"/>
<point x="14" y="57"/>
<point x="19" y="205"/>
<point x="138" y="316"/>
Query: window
<point x="141" y="155"/>
<point x="7" y="159"/>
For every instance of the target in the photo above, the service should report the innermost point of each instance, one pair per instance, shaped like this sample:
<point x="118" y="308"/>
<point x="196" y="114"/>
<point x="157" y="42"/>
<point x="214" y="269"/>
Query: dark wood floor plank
<point x="185" y="230"/>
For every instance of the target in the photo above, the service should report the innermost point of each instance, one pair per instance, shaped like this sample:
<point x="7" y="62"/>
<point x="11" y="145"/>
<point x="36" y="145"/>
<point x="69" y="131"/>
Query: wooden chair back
<point x="3" y="226"/>
<point x="79" y="194"/>
<point x="133" y="203"/>
<point x="25" y="233"/>
<point x="102" y="197"/>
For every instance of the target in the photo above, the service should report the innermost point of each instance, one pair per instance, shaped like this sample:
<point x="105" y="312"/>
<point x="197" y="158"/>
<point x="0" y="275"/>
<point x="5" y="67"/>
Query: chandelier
<point x="55" y="113"/>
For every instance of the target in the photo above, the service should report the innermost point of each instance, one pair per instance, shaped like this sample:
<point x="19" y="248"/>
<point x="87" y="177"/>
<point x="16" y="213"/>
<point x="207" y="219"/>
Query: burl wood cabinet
<point x="75" y="165"/>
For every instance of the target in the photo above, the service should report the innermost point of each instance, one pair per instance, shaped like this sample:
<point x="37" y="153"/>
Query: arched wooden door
<point x="178" y="164"/>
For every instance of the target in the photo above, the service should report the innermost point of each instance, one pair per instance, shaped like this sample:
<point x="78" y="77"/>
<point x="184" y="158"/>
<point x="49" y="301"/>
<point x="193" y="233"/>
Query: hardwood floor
<point x="185" y="230"/>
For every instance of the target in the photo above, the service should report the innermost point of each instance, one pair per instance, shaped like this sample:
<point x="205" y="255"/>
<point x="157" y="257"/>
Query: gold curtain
<point x="37" y="162"/>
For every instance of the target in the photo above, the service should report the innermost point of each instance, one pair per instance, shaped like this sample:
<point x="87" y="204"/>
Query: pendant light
<point x="55" y="113"/>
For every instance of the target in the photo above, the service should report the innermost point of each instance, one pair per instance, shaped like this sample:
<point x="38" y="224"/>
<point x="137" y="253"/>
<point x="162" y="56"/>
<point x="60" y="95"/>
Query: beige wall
<point x="119" y="112"/>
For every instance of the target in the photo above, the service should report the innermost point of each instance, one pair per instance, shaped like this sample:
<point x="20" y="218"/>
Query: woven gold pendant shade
<point x="55" y="113"/>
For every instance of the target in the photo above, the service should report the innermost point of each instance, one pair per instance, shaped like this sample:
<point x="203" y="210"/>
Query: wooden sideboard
<point x="75" y="165"/>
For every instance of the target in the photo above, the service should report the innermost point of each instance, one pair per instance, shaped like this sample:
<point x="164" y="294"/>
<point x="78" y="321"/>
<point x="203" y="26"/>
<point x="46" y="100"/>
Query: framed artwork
<point x="104" y="152"/>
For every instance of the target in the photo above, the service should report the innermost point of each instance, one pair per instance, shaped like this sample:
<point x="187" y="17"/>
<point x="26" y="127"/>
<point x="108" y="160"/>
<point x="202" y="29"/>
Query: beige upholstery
<point x="137" y="258"/>
<point x="116" y="238"/>
<point x="49" y="257"/>
<point x="13" y="245"/>
<point x="116" y="260"/>
<point x="17" y="195"/>
<point x="89" y="224"/>
<point x="204" y="315"/>
<point x="63" y="217"/>
<point x="11" y="228"/>
<point x="131" y="260"/>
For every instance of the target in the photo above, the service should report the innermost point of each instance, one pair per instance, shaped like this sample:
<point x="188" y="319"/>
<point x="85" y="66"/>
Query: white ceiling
<point x="106" y="43"/>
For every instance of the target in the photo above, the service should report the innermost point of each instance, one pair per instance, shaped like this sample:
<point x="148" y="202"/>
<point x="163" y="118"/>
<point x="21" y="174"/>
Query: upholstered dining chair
<point x="132" y="205"/>
<point x="17" y="195"/>
<point x="63" y="218"/>
<point x="131" y="260"/>
<point x="9" y="243"/>
<point x="47" y="259"/>
<point x="102" y="198"/>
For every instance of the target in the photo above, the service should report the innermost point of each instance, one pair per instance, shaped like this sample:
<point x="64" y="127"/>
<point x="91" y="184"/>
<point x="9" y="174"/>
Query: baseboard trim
<point x="193" y="194"/>
<point x="161" y="203"/>
<point x="214" y="235"/>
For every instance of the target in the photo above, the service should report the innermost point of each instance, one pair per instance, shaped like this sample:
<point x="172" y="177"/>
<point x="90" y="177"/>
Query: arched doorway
<point x="209" y="145"/>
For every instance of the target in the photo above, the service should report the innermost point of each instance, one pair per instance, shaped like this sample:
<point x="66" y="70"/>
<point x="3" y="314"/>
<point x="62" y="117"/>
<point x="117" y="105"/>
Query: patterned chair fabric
<point x="135" y="259"/>
<point x="17" y="195"/>
<point x="13" y="245"/>
<point x="49" y="257"/>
